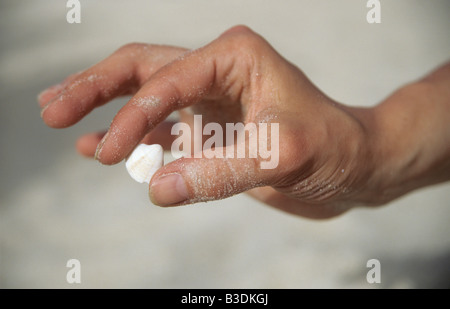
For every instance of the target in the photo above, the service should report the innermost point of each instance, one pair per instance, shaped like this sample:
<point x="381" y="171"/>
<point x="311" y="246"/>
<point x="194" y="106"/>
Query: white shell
<point x="144" y="161"/>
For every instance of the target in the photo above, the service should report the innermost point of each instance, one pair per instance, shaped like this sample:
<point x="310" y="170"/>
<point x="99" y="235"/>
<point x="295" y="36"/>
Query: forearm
<point x="413" y="135"/>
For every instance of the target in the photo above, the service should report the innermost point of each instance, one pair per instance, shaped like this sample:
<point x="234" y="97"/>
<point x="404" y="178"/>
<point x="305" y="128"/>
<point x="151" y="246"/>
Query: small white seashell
<point x="144" y="161"/>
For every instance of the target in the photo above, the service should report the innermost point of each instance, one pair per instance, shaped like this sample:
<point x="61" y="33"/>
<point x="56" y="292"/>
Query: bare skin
<point x="332" y="157"/>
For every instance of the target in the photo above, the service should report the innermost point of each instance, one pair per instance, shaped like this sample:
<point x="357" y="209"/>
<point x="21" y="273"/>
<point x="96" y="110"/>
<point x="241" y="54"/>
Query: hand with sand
<point x="332" y="157"/>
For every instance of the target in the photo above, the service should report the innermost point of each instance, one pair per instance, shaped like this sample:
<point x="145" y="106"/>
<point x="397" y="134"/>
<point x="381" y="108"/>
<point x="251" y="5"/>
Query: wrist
<point x="412" y="140"/>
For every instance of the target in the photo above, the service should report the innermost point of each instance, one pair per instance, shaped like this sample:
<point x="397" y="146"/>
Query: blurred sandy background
<point x="56" y="205"/>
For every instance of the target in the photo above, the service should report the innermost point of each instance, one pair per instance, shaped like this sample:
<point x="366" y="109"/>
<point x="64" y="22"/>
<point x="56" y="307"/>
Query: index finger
<point x="219" y="69"/>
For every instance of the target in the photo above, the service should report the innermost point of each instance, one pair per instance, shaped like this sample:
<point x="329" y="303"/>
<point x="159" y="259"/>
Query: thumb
<point x="192" y="180"/>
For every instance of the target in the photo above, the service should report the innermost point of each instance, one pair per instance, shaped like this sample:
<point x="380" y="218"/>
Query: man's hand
<point x="331" y="156"/>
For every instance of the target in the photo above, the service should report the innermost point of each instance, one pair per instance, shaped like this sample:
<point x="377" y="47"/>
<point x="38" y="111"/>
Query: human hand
<point x="328" y="152"/>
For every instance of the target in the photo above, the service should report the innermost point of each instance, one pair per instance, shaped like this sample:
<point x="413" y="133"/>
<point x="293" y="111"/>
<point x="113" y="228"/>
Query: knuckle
<point x="131" y="48"/>
<point x="245" y="48"/>
<point x="244" y="40"/>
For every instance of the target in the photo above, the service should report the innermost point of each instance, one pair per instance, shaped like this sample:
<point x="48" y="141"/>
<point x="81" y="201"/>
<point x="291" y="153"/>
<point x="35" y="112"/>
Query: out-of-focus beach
<point x="56" y="205"/>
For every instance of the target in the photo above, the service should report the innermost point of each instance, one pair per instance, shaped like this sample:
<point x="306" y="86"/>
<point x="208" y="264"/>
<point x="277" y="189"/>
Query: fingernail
<point x="47" y="105"/>
<point x="100" y="146"/>
<point x="168" y="190"/>
<point x="44" y="108"/>
<point x="55" y="88"/>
